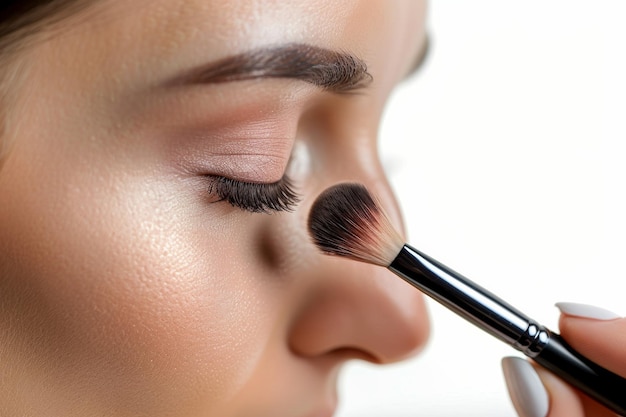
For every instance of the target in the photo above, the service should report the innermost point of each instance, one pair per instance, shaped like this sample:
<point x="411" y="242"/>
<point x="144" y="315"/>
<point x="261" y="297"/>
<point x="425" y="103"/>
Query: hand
<point x="598" y="334"/>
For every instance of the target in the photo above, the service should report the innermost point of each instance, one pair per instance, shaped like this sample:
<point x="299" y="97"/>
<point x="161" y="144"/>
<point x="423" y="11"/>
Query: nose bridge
<point x="355" y="307"/>
<point x="351" y="154"/>
<point x="356" y="159"/>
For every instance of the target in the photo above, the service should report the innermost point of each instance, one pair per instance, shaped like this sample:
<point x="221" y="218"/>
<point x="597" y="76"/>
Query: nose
<point x="356" y="310"/>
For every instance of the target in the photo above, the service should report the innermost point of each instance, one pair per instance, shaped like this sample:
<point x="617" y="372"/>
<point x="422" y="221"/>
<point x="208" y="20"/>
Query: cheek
<point x="135" y="290"/>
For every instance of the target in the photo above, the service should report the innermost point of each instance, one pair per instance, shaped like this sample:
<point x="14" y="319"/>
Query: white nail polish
<point x="586" y="311"/>
<point x="526" y="390"/>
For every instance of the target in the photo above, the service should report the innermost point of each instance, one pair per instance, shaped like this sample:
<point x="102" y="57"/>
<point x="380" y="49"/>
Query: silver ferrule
<point x="470" y="301"/>
<point x="533" y="340"/>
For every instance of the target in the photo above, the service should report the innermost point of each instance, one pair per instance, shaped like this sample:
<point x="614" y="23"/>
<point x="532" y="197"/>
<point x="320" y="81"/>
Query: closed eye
<point x="255" y="197"/>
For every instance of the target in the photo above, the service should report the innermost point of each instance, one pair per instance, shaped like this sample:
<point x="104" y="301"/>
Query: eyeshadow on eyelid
<point x="254" y="146"/>
<point x="244" y="156"/>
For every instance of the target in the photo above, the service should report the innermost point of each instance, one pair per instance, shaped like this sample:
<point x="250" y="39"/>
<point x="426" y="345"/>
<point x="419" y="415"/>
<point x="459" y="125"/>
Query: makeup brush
<point x="346" y="220"/>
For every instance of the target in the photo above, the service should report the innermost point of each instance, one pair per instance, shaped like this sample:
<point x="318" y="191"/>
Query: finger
<point x="593" y="408"/>
<point x="567" y="401"/>
<point x="535" y="392"/>
<point x="564" y="401"/>
<point x="528" y="394"/>
<point x="596" y="333"/>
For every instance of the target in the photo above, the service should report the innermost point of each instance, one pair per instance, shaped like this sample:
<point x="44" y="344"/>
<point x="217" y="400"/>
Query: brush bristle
<point x="346" y="220"/>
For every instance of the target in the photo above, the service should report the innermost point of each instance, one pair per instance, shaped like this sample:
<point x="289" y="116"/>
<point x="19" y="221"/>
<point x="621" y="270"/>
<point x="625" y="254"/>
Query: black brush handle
<point x="510" y="325"/>
<point x="599" y="383"/>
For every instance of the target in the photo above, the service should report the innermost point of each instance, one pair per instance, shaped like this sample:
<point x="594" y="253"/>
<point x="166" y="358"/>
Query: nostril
<point x="360" y="315"/>
<point x="354" y="353"/>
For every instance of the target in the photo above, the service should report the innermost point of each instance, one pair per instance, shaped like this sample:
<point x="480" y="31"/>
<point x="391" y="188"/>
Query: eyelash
<point x="255" y="197"/>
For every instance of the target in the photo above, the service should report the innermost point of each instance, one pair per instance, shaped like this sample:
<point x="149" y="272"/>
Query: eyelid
<point x="255" y="197"/>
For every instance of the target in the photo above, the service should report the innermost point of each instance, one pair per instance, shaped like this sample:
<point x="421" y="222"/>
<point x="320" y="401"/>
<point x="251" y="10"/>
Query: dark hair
<point x="19" y="19"/>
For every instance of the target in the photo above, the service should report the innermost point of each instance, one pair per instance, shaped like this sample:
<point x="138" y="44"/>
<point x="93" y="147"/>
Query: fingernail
<point x="527" y="393"/>
<point x="586" y="311"/>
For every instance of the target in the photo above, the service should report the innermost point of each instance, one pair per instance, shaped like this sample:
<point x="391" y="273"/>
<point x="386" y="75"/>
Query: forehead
<point x="192" y="31"/>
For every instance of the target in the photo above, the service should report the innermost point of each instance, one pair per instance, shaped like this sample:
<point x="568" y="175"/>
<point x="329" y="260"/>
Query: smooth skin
<point x="125" y="289"/>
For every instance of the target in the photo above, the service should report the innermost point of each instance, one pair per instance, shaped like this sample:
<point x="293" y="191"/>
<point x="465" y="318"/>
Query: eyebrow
<point x="333" y="71"/>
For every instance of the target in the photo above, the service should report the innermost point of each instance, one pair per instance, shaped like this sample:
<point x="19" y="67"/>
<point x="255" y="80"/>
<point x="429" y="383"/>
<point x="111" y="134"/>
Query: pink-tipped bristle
<point x="346" y="220"/>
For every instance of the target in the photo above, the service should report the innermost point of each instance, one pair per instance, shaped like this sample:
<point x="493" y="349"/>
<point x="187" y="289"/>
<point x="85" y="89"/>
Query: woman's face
<point x="126" y="286"/>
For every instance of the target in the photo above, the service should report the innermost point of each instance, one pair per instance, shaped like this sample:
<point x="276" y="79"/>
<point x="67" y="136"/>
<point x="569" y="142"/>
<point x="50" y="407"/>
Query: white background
<point x="507" y="155"/>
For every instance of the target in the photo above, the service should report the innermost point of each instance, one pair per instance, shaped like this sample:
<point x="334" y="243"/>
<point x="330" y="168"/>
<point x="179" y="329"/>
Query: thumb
<point x="596" y="333"/>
